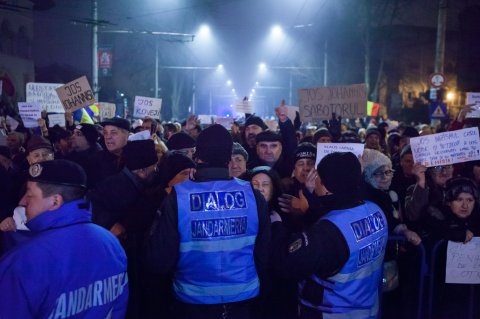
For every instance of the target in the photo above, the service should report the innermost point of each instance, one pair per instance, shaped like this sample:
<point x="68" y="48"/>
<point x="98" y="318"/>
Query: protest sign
<point x="324" y="149"/>
<point x="106" y="110"/>
<point x="142" y="135"/>
<point x="147" y="106"/>
<point x="473" y="98"/>
<point x="30" y="112"/>
<point x="348" y="101"/>
<point x="45" y="95"/>
<point x="446" y="148"/>
<point x="244" y="107"/>
<point x="292" y="112"/>
<point x="272" y="125"/>
<point x="76" y="94"/>
<point x="226" y="122"/>
<point x="205" y="119"/>
<point x="56" y="119"/>
<point x="463" y="262"/>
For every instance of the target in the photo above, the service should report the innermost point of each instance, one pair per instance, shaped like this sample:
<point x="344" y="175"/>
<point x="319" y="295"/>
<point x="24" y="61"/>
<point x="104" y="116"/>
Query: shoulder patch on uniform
<point x="296" y="245"/>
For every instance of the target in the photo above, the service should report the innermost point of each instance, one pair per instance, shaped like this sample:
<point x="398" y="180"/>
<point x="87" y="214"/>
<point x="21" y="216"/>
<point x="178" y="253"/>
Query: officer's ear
<point x="320" y="189"/>
<point x="57" y="202"/>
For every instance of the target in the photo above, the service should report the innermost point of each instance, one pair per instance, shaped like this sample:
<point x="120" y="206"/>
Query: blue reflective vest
<point x="353" y="291"/>
<point x="218" y="225"/>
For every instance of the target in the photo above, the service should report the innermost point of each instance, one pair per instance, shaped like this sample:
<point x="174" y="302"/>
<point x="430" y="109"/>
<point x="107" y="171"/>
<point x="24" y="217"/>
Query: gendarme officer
<point x="213" y="234"/>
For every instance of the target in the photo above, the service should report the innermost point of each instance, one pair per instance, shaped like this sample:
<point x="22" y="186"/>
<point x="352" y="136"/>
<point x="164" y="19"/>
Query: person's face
<point x="302" y="168"/>
<point x="404" y="141"/>
<point x="441" y="174"/>
<point x="194" y="133"/>
<point x="325" y="139"/>
<point x="146" y="126"/>
<point x="63" y="145"/>
<point x="115" y="138"/>
<point x="462" y="206"/>
<point x="372" y="142"/>
<point x="383" y="177"/>
<point x="13" y="142"/>
<point x="407" y="164"/>
<point x="264" y="185"/>
<point x="34" y="202"/>
<point x="251" y="132"/>
<point x="269" y="152"/>
<point x="189" y="152"/>
<point x="182" y="176"/>
<point x="79" y="141"/>
<point x="237" y="165"/>
<point x="39" y="155"/>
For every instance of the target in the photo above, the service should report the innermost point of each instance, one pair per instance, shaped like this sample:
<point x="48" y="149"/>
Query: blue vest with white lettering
<point x="218" y="225"/>
<point x="353" y="291"/>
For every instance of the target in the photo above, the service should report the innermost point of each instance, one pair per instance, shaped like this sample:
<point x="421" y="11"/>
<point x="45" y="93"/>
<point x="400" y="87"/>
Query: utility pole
<point x="95" y="49"/>
<point x="156" y="67"/>
<point x="325" y="63"/>
<point x="441" y="28"/>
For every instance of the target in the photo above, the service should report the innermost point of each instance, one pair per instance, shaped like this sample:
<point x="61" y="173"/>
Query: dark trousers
<point x="236" y="310"/>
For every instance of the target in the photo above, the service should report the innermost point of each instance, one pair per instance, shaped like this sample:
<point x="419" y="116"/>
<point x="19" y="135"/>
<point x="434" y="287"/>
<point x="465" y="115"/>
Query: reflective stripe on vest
<point x="354" y="289"/>
<point x="218" y="226"/>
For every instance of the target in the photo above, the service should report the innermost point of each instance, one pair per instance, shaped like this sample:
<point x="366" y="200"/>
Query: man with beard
<point x="253" y="126"/>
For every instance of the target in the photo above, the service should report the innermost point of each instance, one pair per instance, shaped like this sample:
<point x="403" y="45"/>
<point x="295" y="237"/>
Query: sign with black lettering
<point x="45" y="95"/>
<point x="30" y="113"/>
<point x="349" y="101"/>
<point x="463" y="262"/>
<point x="76" y="94"/>
<point x="147" y="106"/>
<point x="56" y="119"/>
<point x="106" y="110"/>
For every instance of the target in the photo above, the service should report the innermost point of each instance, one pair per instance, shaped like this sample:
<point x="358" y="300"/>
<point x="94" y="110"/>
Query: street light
<point x="262" y="66"/>
<point x="277" y="31"/>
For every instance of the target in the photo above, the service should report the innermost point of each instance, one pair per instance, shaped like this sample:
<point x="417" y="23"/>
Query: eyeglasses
<point x="388" y="173"/>
<point x="444" y="167"/>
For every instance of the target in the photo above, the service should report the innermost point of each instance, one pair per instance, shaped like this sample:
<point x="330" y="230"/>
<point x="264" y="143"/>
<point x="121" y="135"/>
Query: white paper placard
<point x="106" y="110"/>
<point x="272" y="125"/>
<point x="54" y="119"/>
<point x="142" y="135"/>
<point x="244" y="107"/>
<point x="30" y="112"/>
<point x="45" y="94"/>
<point x="473" y="98"/>
<point x="324" y="149"/>
<point x="292" y="112"/>
<point x="446" y="148"/>
<point x="463" y="262"/>
<point x="205" y="118"/>
<point x="76" y="94"/>
<point x="226" y="122"/>
<point x="147" y="106"/>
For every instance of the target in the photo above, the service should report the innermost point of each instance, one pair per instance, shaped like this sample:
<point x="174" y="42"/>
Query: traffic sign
<point x="437" y="80"/>
<point x="438" y="111"/>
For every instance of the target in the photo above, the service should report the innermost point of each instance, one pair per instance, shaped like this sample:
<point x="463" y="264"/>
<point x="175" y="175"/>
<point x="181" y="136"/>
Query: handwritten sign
<point x="30" y="112"/>
<point x="56" y="119"/>
<point x="76" y="94"/>
<point x="463" y="262"/>
<point x="106" y="110"/>
<point x="323" y="149"/>
<point x="292" y="112"/>
<point x="446" y="148"/>
<point x="243" y="107"/>
<point x="147" y="106"/>
<point x="473" y="98"/>
<point x="205" y="118"/>
<point x="142" y="135"/>
<point x="45" y="95"/>
<point x="226" y="122"/>
<point x="319" y="103"/>
<point x="272" y="125"/>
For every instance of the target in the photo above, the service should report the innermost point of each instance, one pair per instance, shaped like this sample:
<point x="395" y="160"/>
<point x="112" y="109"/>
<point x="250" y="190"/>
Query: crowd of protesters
<point x="130" y="184"/>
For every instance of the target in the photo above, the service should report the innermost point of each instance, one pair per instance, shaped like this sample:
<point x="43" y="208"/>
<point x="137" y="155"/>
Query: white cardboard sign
<point x="272" y="125"/>
<point x="30" y="112"/>
<point x="147" y="106"/>
<point x="473" y="98"/>
<point x="292" y="112"/>
<point x="54" y="119"/>
<point x="244" y="107"/>
<point x="463" y="262"/>
<point x="45" y="94"/>
<point x="76" y="94"/>
<point x="226" y="122"/>
<point x="324" y="149"/>
<point x="446" y="148"/>
<point x="348" y="101"/>
<point x="106" y="110"/>
<point x="140" y="136"/>
<point x="205" y="118"/>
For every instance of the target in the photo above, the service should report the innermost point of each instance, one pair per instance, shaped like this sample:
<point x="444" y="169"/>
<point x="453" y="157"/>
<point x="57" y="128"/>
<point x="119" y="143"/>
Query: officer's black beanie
<point x="341" y="173"/>
<point x="214" y="146"/>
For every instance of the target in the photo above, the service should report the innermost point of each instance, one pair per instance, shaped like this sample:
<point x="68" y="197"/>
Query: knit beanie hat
<point x="341" y="173"/>
<point x="321" y="132"/>
<point x="349" y="137"/>
<point x="214" y="146"/>
<point x="305" y="150"/>
<point x="37" y="142"/>
<point x="255" y="120"/>
<point x="89" y="131"/>
<point x="373" y="130"/>
<point x="268" y="136"/>
<point x="173" y="163"/>
<point x="373" y="160"/>
<point x="239" y="150"/>
<point x="458" y="185"/>
<point x="139" y="154"/>
<point x="180" y="141"/>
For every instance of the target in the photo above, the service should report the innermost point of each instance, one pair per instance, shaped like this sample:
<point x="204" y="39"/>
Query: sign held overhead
<point x="45" y="95"/>
<point x="76" y="94"/>
<point x="147" y="106"/>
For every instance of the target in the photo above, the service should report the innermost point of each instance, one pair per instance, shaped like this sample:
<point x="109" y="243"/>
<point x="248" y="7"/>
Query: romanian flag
<point x="372" y="108"/>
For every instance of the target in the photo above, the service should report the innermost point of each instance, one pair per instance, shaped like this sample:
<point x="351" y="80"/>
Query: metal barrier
<point x="438" y="245"/>
<point x="421" y="275"/>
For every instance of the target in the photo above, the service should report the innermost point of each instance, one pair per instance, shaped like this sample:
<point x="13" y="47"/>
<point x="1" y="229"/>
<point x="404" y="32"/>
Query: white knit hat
<point x="373" y="160"/>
